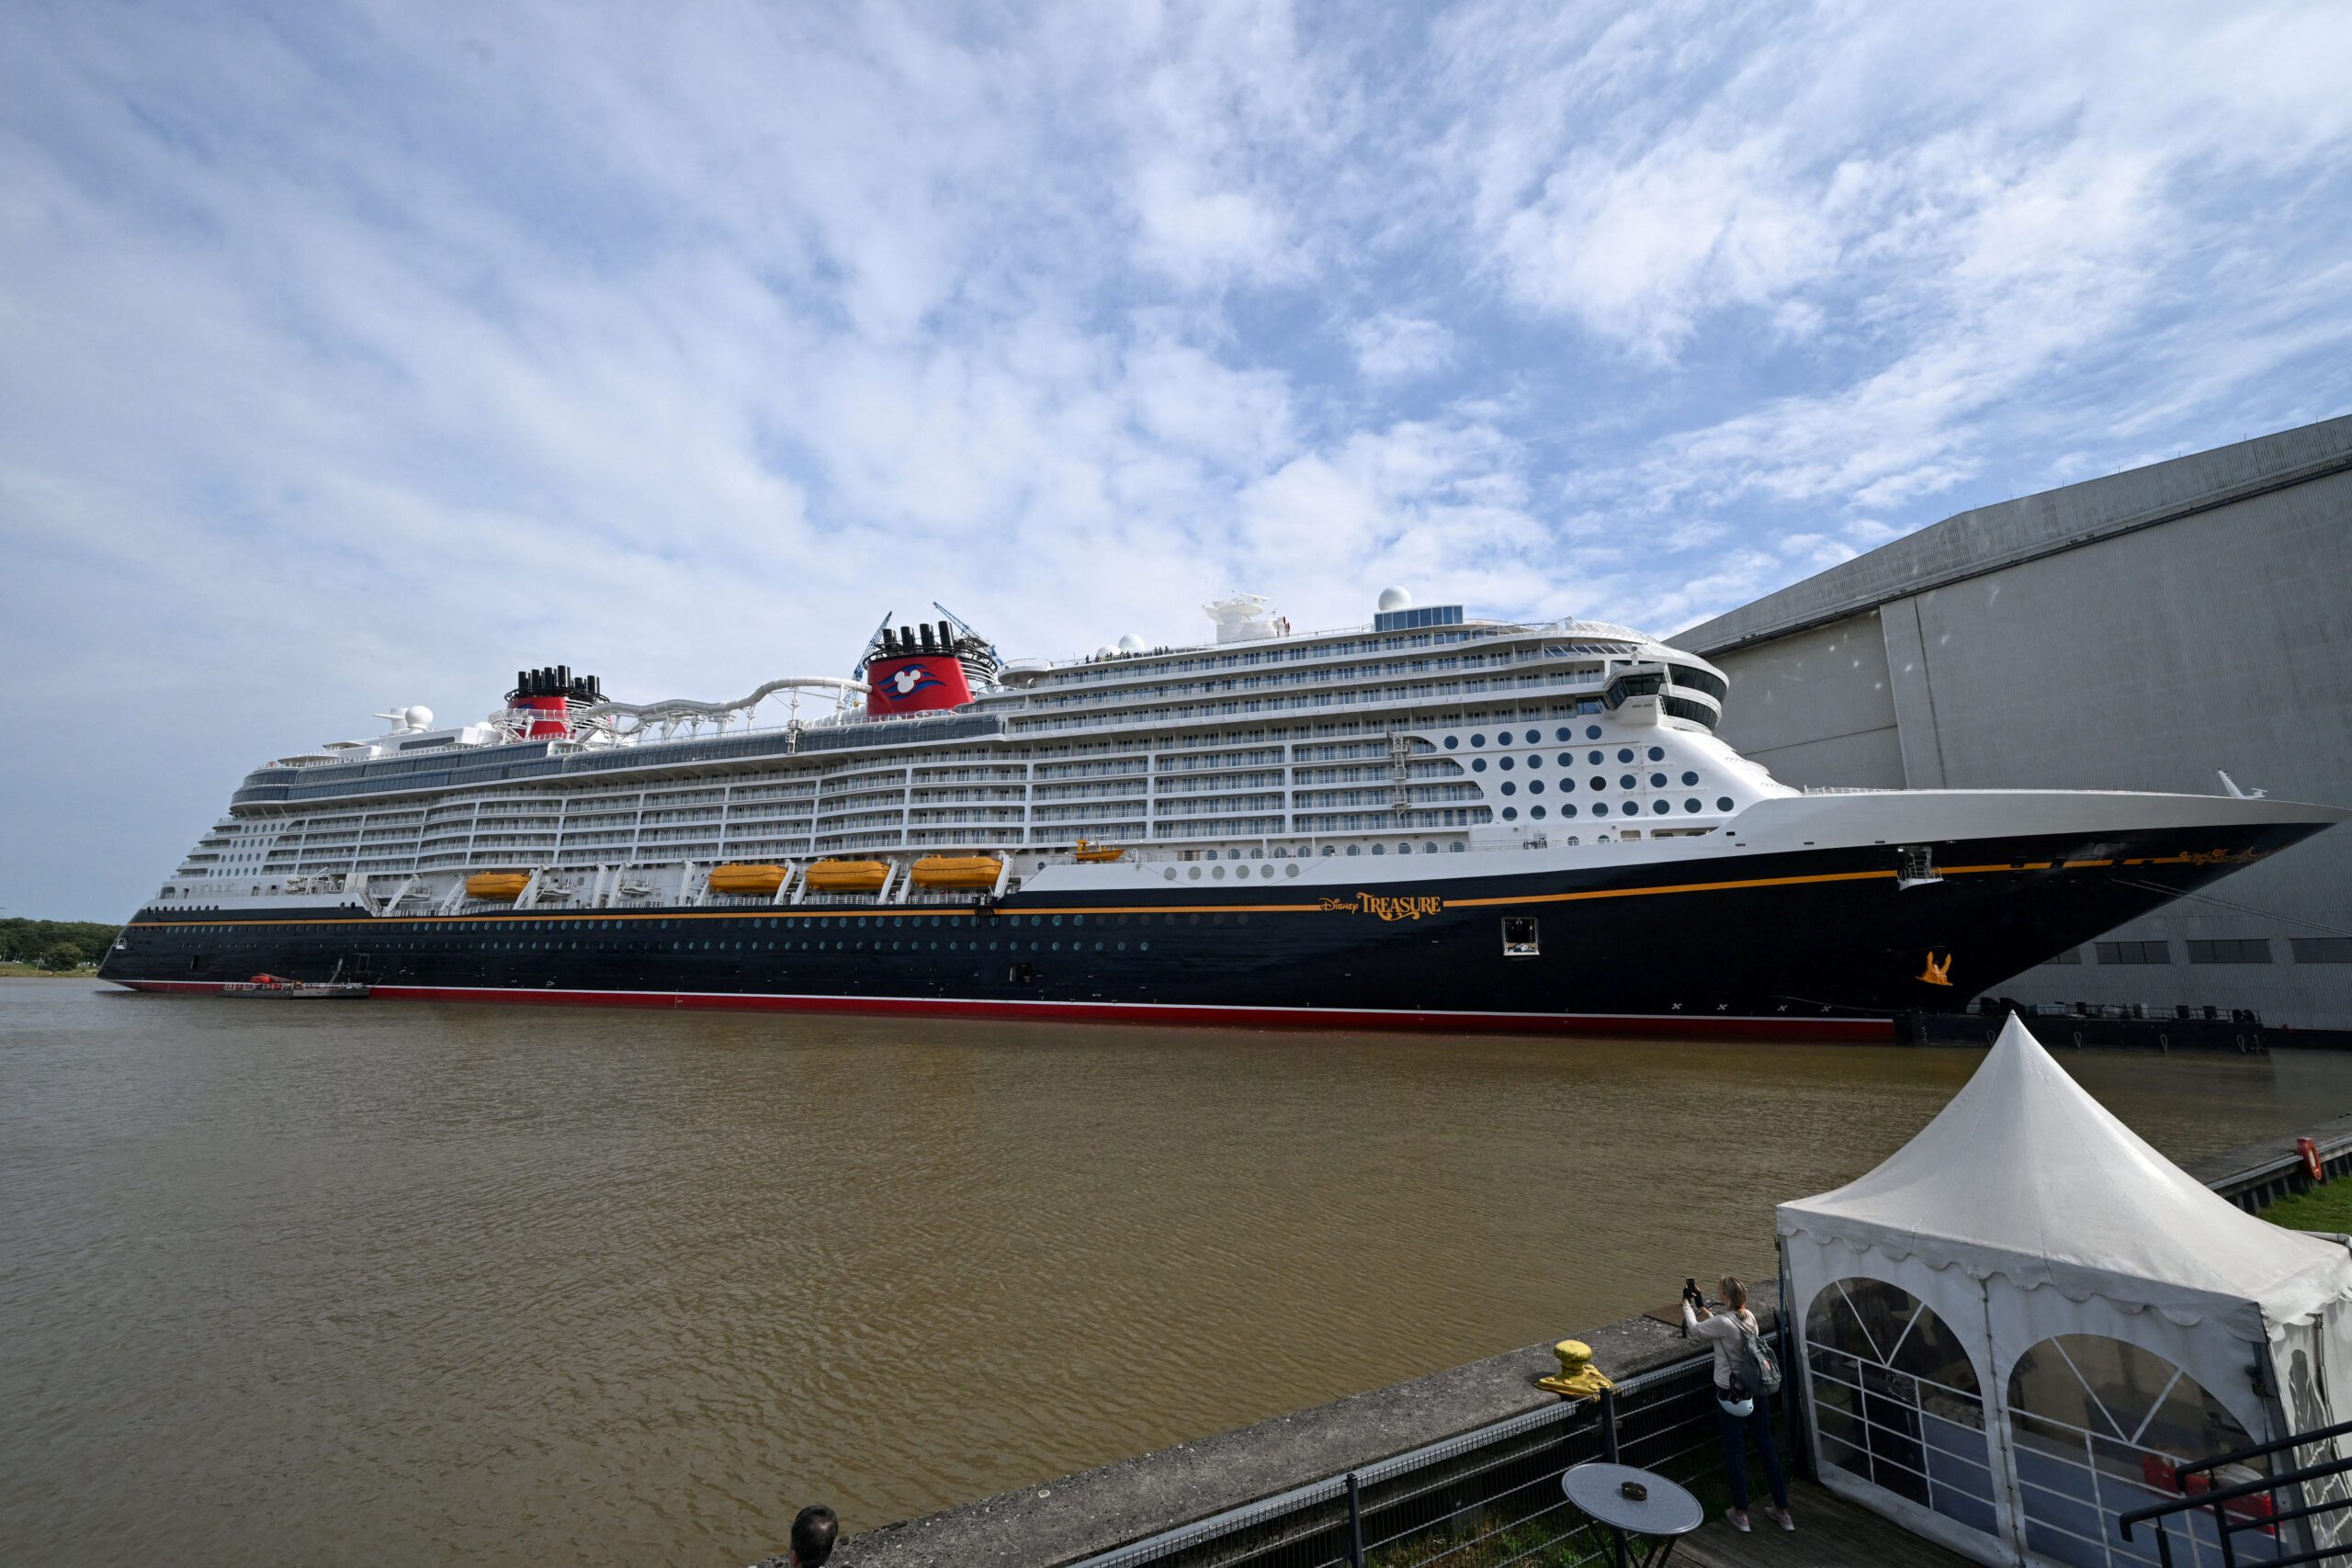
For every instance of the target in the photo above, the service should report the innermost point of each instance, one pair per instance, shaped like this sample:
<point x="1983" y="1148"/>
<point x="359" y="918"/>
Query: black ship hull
<point x="1812" y="943"/>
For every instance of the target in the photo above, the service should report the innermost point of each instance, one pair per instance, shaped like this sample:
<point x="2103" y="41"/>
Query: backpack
<point x="1754" y="1371"/>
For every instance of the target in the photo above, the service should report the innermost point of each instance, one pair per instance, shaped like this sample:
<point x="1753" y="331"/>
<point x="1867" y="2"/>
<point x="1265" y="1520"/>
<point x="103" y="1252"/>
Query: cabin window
<point x="1520" y="937"/>
<point x="1020" y="974"/>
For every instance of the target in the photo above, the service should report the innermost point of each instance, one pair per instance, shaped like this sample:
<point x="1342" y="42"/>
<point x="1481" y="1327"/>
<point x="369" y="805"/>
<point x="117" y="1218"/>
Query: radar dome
<point x="418" y="718"/>
<point x="1131" y="644"/>
<point x="1395" y="599"/>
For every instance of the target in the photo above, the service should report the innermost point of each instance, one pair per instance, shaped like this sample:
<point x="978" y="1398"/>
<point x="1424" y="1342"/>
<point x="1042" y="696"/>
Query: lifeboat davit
<point x="499" y="885"/>
<point x="847" y="877"/>
<point x="958" y="871"/>
<point x="745" y="880"/>
<point x="1095" y="854"/>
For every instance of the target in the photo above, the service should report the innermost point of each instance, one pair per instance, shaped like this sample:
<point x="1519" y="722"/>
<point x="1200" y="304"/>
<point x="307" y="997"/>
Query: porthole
<point x="1723" y="803"/>
<point x="1597" y="757"/>
<point x="1507" y="763"/>
<point x="1478" y="764"/>
<point x="1404" y="849"/>
<point x="1689" y="778"/>
<point x="1456" y="848"/>
<point x="1626" y="782"/>
<point x="1289" y="870"/>
<point x="1535" y="761"/>
<point x="1566" y="786"/>
<point x="1215" y="871"/>
<point x="1355" y="849"/>
<point x="1564" y="733"/>
<point x="1266" y="871"/>
<point x="1592" y="732"/>
<point x="1170" y="873"/>
<point x="1659" y="807"/>
<point x="1536" y="812"/>
<point x="1329" y="850"/>
<point x="1511" y="813"/>
<point x="1691" y="804"/>
<point x="1535" y="786"/>
<point x="1057" y="920"/>
<point x="1477" y="740"/>
<point x="1599" y="783"/>
<point x="1600" y="808"/>
<point x="1380" y="849"/>
<point x="1510" y="788"/>
<point x="1657" y="781"/>
<point x="1195" y="873"/>
<point x="1567" y="811"/>
<point x="1625" y="753"/>
<point x="1430" y="848"/>
<point x="1657" y="753"/>
<point x="1452" y="741"/>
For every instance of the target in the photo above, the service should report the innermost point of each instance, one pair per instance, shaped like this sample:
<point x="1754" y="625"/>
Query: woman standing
<point x="1744" y="1412"/>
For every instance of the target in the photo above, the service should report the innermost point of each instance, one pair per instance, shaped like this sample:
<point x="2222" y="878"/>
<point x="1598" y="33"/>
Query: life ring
<point x="2312" y="1167"/>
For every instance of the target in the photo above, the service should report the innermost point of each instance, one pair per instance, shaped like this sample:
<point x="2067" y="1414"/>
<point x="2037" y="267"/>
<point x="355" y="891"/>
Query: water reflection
<point x="491" y="1285"/>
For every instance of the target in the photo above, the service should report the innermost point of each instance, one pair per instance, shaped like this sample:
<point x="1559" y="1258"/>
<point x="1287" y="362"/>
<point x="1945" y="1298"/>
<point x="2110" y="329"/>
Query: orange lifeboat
<point x="1091" y="852"/>
<point x="847" y="877"/>
<point x="745" y="881"/>
<point x="501" y="884"/>
<point x="958" y="871"/>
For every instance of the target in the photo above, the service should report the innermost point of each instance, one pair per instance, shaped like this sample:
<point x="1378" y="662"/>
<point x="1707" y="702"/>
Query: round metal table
<point x="1667" y="1514"/>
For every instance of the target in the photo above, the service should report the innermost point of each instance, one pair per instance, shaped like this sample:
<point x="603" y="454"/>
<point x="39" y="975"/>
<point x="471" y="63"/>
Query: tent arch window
<point x="2096" y="1425"/>
<point x="1896" y="1399"/>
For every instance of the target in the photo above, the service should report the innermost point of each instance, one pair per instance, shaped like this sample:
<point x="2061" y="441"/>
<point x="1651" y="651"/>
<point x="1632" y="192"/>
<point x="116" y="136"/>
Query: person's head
<point x="1732" y="1294"/>
<point x="813" y="1530"/>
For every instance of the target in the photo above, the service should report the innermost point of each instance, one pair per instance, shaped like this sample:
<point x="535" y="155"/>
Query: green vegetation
<point x="35" y="941"/>
<point x="2327" y="1207"/>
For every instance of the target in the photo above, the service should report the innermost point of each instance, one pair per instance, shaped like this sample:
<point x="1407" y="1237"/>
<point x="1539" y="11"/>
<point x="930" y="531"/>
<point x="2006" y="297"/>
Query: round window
<point x="1691" y="804"/>
<point x="1659" y="807"/>
<point x="1625" y="753"/>
<point x="1380" y="849"/>
<point x="1723" y="803"/>
<point x="1534" y="737"/>
<point x="1536" y="812"/>
<point x="1626" y="782"/>
<point x="1510" y="788"/>
<point x="1600" y="809"/>
<point x="1535" y="786"/>
<point x="1535" y="761"/>
<point x="1511" y="813"/>
<point x="1477" y="740"/>
<point x="1215" y="871"/>
<point x="1452" y="741"/>
<point x="1596" y="757"/>
<point x="1478" y="764"/>
<point x="1592" y="732"/>
<point x="1599" y="782"/>
<point x="1657" y="753"/>
<point x="1689" y="778"/>
<point x="1567" y="811"/>
<point x="1355" y="849"/>
<point x="1564" y="733"/>
<point x="1506" y="764"/>
<point x="1657" y="781"/>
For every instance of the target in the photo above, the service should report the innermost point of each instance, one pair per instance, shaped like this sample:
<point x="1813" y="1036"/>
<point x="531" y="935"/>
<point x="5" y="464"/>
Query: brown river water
<point x="302" y="1282"/>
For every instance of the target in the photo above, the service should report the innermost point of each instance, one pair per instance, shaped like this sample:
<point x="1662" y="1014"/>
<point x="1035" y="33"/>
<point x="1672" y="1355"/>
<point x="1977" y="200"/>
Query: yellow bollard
<point x="1577" y="1377"/>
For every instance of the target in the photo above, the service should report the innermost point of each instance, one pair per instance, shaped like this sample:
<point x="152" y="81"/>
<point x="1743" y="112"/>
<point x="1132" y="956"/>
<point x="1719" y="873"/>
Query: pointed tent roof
<point x="2024" y="1176"/>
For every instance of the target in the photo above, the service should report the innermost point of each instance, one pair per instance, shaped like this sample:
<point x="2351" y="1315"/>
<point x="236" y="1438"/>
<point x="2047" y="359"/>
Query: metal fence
<point x="1485" y="1499"/>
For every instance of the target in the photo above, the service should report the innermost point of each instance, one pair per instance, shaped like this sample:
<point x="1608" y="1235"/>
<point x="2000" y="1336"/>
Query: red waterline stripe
<point x="1673" y="1026"/>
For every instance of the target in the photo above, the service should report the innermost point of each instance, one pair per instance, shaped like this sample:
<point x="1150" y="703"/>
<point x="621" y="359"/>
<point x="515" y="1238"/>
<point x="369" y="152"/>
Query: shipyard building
<point x="2150" y="631"/>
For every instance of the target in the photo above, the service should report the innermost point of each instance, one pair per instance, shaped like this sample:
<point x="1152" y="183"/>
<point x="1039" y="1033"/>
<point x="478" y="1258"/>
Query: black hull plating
<point x="1812" y="935"/>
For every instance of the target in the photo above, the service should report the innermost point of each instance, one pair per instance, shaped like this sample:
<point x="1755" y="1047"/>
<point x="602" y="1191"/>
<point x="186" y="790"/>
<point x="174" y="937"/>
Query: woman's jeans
<point x="1736" y="1434"/>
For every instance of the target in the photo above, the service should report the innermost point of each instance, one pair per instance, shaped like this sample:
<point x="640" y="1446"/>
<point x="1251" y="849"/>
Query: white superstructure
<point x="1425" y="732"/>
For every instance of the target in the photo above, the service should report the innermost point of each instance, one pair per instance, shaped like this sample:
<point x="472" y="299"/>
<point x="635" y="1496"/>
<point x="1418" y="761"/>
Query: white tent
<point x="2014" y="1328"/>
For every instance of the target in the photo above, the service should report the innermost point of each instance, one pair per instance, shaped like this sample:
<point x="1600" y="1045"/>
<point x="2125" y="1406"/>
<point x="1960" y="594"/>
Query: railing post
<point x="1609" y="1453"/>
<point x="1355" y="1521"/>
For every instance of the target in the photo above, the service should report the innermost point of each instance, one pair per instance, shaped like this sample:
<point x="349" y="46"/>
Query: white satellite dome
<point x="1131" y="644"/>
<point x="419" y="718"/>
<point x="1395" y="599"/>
<point x="1104" y="651"/>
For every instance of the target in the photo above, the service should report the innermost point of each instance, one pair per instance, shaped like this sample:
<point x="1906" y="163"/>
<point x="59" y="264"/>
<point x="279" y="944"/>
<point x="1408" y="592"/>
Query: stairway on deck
<point x="1830" y="1533"/>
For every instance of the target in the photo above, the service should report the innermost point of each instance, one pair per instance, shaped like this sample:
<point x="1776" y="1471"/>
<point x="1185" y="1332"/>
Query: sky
<point x="356" y="354"/>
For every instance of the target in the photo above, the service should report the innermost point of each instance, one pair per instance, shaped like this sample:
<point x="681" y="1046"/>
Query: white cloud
<point x="1392" y="348"/>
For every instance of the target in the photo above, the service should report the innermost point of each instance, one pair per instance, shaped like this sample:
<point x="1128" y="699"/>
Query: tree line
<point x="54" y="944"/>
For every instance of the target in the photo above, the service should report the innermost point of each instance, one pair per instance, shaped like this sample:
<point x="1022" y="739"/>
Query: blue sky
<point x="359" y="354"/>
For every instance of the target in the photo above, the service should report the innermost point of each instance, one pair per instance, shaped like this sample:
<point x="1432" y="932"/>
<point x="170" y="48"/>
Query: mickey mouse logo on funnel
<point x="916" y="685"/>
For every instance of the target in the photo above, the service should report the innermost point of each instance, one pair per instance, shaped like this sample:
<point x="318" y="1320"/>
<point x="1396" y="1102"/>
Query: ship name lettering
<point x="1388" y="908"/>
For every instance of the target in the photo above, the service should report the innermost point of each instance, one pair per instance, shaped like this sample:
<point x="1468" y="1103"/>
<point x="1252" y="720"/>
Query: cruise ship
<point x="1433" y="821"/>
